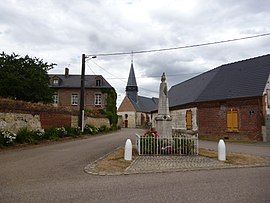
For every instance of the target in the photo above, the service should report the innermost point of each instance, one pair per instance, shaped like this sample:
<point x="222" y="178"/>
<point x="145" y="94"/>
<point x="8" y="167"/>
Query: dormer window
<point x="55" y="81"/>
<point x="98" y="82"/>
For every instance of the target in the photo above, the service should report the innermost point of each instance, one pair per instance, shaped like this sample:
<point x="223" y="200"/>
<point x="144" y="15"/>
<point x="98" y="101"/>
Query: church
<point x="134" y="109"/>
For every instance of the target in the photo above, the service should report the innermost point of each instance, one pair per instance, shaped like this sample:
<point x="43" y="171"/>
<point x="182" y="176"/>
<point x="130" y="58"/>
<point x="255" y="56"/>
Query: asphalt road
<point x="54" y="173"/>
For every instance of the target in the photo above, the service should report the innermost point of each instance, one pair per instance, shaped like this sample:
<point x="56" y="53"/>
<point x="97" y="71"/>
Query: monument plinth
<point x="163" y="119"/>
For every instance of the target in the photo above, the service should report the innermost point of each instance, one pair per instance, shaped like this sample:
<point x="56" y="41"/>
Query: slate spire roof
<point x="132" y="88"/>
<point x="131" y="77"/>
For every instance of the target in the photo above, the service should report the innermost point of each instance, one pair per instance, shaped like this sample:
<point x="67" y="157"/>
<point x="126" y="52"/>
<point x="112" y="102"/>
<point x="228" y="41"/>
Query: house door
<point x="126" y="120"/>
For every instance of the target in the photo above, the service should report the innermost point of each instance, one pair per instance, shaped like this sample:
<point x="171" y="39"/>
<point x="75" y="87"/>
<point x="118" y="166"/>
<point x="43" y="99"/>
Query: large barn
<point x="230" y="101"/>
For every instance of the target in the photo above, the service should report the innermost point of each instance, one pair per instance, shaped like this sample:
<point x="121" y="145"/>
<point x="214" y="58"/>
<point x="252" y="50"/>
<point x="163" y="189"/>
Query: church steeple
<point x="132" y="88"/>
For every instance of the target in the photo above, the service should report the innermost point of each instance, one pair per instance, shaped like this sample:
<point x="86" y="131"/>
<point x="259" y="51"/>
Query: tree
<point x="25" y="78"/>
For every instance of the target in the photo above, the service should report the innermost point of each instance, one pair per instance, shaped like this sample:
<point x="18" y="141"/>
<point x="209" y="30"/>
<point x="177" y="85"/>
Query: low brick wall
<point x="55" y="120"/>
<point x="15" y="115"/>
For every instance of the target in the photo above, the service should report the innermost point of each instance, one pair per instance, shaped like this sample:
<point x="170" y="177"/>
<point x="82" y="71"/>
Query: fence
<point x="177" y="145"/>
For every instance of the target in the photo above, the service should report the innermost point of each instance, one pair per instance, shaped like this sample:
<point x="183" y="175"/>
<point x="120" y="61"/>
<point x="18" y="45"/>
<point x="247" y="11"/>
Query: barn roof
<point x="240" y="79"/>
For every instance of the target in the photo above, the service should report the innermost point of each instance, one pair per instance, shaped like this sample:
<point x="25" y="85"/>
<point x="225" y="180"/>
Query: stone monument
<point x="163" y="119"/>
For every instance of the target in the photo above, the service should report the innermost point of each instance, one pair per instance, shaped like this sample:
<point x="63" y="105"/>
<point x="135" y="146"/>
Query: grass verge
<point x="115" y="162"/>
<point x="234" y="158"/>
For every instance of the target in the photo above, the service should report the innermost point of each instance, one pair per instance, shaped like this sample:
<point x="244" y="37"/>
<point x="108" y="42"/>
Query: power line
<point x="120" y="78"/>
<point x="158" y="76"/>
<point x="90" y="68"/>
<point x="180" y="47"/>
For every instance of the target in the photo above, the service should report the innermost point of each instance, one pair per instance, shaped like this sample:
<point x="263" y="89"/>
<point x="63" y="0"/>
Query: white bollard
<point x="221" y="150"/>
<point x="128" y="150"/>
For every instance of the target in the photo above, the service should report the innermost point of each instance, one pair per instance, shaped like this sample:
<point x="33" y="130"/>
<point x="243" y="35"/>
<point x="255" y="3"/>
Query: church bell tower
<point x="132" y="88"/>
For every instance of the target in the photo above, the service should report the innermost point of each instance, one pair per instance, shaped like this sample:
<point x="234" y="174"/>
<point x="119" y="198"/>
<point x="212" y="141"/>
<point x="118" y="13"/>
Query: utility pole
<point x="81" y="116"/>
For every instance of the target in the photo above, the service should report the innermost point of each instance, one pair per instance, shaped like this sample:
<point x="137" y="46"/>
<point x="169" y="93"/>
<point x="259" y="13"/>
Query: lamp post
<point x="81" y="116"/>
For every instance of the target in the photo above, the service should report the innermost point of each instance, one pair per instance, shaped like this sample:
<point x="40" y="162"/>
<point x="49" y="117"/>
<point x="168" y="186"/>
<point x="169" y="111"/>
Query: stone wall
<point x="266" y="112"/>
<point x="120" y="121"/>
<point x="179" y="118"/>
<point x="138" y="118"/>
<point x="131" y="118"/>
<point x="13" y="122"/>
<point x="90" y="121"/>
<point x="97" y="121"/>
<point x="15" y="115"/>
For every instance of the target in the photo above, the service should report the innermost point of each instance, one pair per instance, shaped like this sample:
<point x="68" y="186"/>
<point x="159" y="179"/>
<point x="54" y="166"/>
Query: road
<point x="55" y="173"/>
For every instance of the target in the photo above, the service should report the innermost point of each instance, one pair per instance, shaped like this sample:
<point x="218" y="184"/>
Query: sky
<point x="60" y="31"/>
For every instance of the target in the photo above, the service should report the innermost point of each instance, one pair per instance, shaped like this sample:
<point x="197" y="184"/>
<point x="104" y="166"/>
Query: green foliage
<point x="24" y="78"/>
<point x="111" y="110"/>
<point x="25" y="136"/>
<point x="73" y="132"/>
<point x="104" y="128"/>
<point x="33" y="137"/>
<point x="52" y="134"/>
<point x="6" y="138"/>
<point x="90" y="129"/>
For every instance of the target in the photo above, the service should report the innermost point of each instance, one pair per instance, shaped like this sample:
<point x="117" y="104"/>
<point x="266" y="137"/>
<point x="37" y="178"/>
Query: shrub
<point x="104" y="128"/>
<point x="115" y="127"/>
<point x="90" y="129"/>
<point x="52" y="134"/>
<point x="25" y="136"/>
<point x="7" y="138"/>
<point x="73" y="132"/>
<point x="62" y="132"/>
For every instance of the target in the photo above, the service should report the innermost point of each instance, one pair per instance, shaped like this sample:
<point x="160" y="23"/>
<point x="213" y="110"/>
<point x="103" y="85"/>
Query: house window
<point x="189" y="120"/>
<point x="97" y="99"/>
<point x="55" y="81"/>
<point x="55" y="98"/>
<point x="74" y="99"/>
<point x="232" y="121"/>
<point x="98" y="82"/>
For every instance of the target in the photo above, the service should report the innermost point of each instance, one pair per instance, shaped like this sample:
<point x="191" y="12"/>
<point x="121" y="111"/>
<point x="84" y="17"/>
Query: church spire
<point x="132" y="88"/>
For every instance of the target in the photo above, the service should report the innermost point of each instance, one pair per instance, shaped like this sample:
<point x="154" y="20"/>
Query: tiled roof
<point x="145" y="104"/>
<point x="240" y="79"/>
<point x="74" y="81"/>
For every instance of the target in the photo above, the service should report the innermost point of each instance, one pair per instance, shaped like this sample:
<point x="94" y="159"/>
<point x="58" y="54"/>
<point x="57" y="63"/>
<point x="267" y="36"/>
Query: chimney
<point x="66" y="72"/>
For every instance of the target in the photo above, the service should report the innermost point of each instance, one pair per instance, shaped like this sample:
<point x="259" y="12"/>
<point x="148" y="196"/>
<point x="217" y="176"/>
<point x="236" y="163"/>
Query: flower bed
<point x="33" y="137"/>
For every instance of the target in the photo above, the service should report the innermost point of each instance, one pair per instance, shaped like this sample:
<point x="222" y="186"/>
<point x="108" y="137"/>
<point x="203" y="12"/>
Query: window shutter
<point x="229" y="121"/>
<point x="232" y="121"/>
<point x="189" y="119"/>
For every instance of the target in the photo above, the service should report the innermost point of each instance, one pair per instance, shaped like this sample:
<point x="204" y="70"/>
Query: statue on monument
<point x="163" y="119"/>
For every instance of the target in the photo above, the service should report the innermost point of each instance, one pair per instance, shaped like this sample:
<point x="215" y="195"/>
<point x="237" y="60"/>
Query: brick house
<point x="134" y="109"/>
<point x="230" y="101"/>
<point x="67" y="90"/>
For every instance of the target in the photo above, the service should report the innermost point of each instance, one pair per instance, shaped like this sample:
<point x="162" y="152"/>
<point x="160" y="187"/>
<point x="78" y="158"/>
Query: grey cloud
<point x="71" y="28"/>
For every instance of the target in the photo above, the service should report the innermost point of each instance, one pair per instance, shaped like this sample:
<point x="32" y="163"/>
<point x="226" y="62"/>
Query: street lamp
<point x="81" y="116"/>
